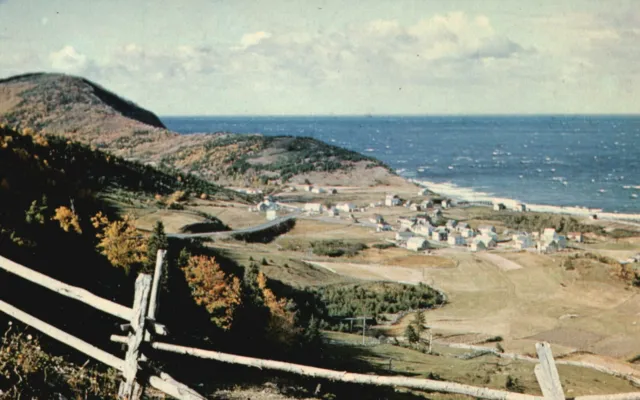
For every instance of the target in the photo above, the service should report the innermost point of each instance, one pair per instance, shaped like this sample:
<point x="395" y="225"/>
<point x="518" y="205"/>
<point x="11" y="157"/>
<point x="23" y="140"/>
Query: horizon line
<point x="394" y="115"/>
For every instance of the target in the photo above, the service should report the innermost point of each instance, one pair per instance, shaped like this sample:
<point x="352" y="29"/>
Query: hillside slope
<point x="76" y="108"/>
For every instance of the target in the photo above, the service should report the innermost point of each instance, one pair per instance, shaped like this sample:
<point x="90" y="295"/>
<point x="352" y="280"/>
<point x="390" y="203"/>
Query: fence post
<point x="130" y="389"/>
<point x="154" y="303"/>
<point x="547" y="373"/>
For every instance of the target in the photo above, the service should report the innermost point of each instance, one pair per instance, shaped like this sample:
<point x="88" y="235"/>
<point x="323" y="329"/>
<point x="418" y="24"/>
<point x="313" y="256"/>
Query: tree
<point x="35" y="213"/>
<point x="281" y="327"/>
<point x="157" y="241"/>
<point x="419" y="321"/>
<point x="120" y="242"/>
<point x="410" y="334"/>
<point x="68" y="219"/>
<point x="212" y="288"/>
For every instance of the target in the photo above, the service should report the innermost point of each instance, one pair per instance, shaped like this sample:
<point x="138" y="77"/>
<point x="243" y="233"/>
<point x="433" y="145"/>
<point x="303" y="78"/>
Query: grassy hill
<point x="81" y="110"/>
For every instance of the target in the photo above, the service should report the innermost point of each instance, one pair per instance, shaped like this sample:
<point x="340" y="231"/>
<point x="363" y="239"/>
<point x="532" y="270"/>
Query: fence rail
<point x="143" y="328"/>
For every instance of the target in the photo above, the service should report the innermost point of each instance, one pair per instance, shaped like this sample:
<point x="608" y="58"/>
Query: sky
<point x="314" y="57"/>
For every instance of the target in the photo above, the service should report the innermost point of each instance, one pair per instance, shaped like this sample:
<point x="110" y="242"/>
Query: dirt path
<point x="499" y="261"/>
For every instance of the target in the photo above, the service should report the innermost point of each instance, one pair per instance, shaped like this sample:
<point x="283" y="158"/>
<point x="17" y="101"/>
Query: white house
<point x="499" y="207"/>
<point x="520" y="207"/>
<point x="423" y="192"/>
<point x="272" y="214"/>
<point x="314" y="208"/>
<point x="403" y="236"/>
<point x="333" y="212"/>
<point x="478" y="245"/>
<point x="451" y="224"/>
<point x="308" y="188"/>
<point x="440" y="236"/>
<point x="423" y="230"/>
<point x="486" y="229"/>
<point x="417" y="244"/>
<point x="318" y="190"/>
<point x="456" y="240"/>
<point x="489" y="241"/>
<point x="547" y="247"/>
<point x="467" y="233"/>
<point x="522" y="242"/>
<point x="346" y="207"/>
<point x="392" y="200"/>
<point x="446" y="203"/>
<point x="406" y="222"/>
<point x="427" y="204"/>
<point x="549" y="235"/>
<point x="415" y="207"/>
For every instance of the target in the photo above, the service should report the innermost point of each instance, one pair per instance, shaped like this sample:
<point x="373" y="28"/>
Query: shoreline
<point x="469" y="195"/>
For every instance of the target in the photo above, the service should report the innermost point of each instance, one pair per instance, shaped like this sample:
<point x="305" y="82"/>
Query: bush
<point x="336" y="248"/>
<point x="383" y="246"/>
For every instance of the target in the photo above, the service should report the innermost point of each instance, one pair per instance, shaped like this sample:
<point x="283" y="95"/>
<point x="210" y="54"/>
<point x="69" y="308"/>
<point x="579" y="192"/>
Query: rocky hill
<point x="81" y="110"/>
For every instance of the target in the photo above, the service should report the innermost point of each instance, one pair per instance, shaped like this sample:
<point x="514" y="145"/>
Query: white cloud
<point x="68" y="59"/>
<point x="252" y="39"/>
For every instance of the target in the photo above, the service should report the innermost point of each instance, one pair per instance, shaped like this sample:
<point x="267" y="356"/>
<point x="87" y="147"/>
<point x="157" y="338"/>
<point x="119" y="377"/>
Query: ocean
<point x="583" y="161"/>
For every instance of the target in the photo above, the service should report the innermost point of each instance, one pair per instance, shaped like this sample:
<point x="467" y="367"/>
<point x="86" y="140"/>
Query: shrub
<point x="336" y="248"/>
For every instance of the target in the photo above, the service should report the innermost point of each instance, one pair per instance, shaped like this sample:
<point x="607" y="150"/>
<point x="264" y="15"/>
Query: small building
<point x="547" y="247"/>
<point x="576" y="237"/>
<point x="403" y="236"/>
<point x="415" y="207"/>
<point x="346" y="207"/>
<point x="451" y="224"/>
<point x="267" y="205"/>
<point x="423" y="192"/>
<point x="272" y="214"/>
<point x="423" y="220"/>
<point x="439" y="235"/>
<point x="467" y="233"/>
<point x="477" y="245"/>
<point x="499" y="207"/>
<point x="417" y="244"/>
<point x="427" y="204"/>
<point x="461" y="226"/>
<point x="446" y="203"/>
<point x="522" y="242"/>
<point x="423" y="230"/>
<point x="549" y="235"/>
<point x="314" y="208"/>
<point x="308" y="188"/>
<point x="333" y="212"/>
<point x="376" y="219"/>
<point x="519" y="207"/>
<point x="456" y="240"/>
<point x="436" y="215"/>
<point x="487" y="229"/>
<point x="489" y="241"/>
<point x="383" y="227"/>
<point x="318" y="190"/>
<point x="392" y="200"/>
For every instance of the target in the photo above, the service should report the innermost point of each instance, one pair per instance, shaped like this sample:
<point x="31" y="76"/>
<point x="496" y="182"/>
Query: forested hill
<point x="81" y="110"/>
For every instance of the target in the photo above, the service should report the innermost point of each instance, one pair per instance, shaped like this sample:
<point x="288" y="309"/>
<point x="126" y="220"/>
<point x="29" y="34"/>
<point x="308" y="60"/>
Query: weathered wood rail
<point x="142" y="327"/>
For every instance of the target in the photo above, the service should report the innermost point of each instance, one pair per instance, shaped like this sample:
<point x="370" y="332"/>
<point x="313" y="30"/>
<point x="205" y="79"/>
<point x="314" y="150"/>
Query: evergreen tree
<point x="419" y="322"/>
<point x="157" y="241"/>
<point x="410" y="334"/>
<point x="35" y="213"/>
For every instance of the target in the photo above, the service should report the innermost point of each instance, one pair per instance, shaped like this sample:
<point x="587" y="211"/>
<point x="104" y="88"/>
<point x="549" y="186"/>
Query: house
<point x="439" y="235"/>
<point x="267" y="205"/>
<point x="461" y="226"/>
<point x="313" y="208"/>
<point x="392" y="200"/>
<point x="486" y="229"/>
<point x="576" y="237"/>
<point x="446" y="203"/>
<point x="436" y="215"/>
<point x="522" y="242"/>
<point x="456" y="240"/>
<point x="333" y="212"/>
<point x="423" y="220"/>
<point x="467" y="233"/>
<point x="547" y="247"/>
<point x="549" y="235"/>
<point x="318" y="190"/>
<point x="383" y="227"/>
<point x="423" y="230"/>
<point x="272" y="214"/>
<point x="415" y="207"/>
<point x="376" y="219"/>
<point x="423" y="192"/>
<point x="403" y="236"/>
<point x="499" y="207"/>
<point x="478" y="245"/>
<point x="520" y="207"/>
<point x="451" y="224"/>
<point x="417" y="244"/>
<point x="562" y="242"/>
<point x="406" y="222"/>
<point x="346" y="207"/>
<point x="308" y="188"/>
<point x="427" y="204"/>
<point x="488" y="241"/>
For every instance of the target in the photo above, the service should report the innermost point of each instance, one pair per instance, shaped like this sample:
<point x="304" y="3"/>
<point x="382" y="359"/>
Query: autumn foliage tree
<point x="282" y="322"/>
<point x="120" y="241"/>
<point x="68" y="219"/>
<point x="211" y="288"/>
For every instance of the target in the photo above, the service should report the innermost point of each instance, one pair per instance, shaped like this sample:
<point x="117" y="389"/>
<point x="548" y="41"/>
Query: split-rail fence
<point x="143" y="329"/>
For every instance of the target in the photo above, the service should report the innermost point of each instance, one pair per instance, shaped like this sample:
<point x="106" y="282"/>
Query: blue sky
<point x="217" y="57"/>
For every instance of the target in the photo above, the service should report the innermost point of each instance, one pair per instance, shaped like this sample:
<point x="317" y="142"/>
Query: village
<point x="419" y="223"/>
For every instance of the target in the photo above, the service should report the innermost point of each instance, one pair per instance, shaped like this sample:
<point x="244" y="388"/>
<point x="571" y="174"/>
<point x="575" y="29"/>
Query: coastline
<point x="480" y="198"/>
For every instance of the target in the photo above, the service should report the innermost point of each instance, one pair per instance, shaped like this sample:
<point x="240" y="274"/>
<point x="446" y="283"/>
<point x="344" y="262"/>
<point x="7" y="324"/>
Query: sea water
<point x="585" y="161"/>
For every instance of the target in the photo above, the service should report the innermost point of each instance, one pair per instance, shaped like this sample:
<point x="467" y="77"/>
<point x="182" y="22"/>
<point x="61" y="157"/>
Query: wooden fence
<point x="141" y="327"/>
